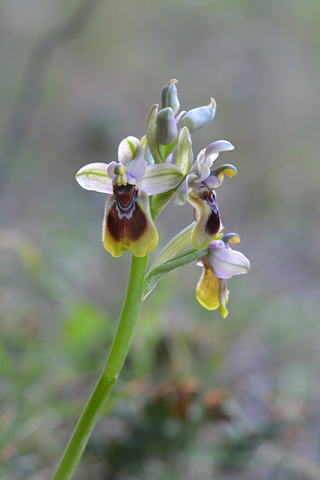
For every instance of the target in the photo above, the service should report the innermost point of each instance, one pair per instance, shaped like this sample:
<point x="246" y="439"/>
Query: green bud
<point x="166" y="126"/>
<point x="169" y="96"/>
<point x="151" y="128"/>
<point x="199" y="117"/>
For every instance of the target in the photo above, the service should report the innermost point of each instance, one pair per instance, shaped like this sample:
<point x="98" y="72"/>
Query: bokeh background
<point x="200" y="397"/>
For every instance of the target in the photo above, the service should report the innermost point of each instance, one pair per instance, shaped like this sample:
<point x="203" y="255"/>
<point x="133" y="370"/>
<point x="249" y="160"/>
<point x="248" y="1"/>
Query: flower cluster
<point x="152" y="171"/>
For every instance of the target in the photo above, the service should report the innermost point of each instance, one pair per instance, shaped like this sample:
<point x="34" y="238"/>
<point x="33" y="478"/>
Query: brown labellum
<point x="213" y="223"/>
<point x="126" y="220"/>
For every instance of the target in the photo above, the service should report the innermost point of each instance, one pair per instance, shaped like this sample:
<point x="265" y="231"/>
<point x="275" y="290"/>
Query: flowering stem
<point x="118" y="354"/>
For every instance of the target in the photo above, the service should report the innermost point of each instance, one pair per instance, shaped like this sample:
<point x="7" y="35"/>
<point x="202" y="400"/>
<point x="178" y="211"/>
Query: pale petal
<point x="218" y="146"/>
<point x="183" y="189"/>
<point x="224" y="262"/>
<point x="95" y="177"/>
<point x="182" y="193"/>
<point x="209" y="159"/>
<point x="160" y="178"/>
<point x="136" y="168"/>
<point x="130" y="149"/>
<point x="203" y="172"/>
<point x="111" y="169"/>
<point x="199" y="168"/>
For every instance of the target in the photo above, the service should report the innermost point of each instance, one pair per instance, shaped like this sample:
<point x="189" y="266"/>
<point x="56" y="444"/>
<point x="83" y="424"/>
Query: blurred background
<point x="200" y="397"/>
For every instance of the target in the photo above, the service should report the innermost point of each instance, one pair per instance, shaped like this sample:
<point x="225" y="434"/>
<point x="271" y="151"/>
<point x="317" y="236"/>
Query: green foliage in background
<point x="58" y="308"/>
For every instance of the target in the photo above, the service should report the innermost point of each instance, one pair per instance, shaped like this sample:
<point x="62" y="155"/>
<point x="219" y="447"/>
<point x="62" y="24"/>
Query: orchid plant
<point x="149" y="173"/>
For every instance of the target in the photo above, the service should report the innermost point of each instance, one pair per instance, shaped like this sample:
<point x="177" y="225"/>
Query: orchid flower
<point x="198" y="184"/>
<point x="220" y="264"/>
<point x="127" y="223"/>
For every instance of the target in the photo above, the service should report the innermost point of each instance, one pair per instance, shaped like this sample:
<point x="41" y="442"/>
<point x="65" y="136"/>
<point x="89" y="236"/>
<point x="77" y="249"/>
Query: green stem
<point x="118" y="354"/>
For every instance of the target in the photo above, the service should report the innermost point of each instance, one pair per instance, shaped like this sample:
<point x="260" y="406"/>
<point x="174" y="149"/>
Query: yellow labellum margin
<point x="219" y="264"/>
<point x="212" y="292"/>
<point x="135" y="232"/>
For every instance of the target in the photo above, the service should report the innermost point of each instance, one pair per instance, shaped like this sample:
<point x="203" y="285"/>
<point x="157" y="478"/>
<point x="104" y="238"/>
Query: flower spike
<point x="162" y="165"/>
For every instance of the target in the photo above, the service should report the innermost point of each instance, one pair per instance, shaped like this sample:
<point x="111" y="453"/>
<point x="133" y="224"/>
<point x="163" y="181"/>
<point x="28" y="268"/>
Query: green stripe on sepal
<point x="151" y="133"/>
<point x="179" y="243"/>
<point x="184" y="151"/>
<point x="157" y="273"/>
<point x="168" y="149"/>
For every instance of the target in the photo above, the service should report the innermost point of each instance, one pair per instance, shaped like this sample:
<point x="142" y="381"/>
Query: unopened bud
<point x="166" y="126"/>
<point x="199" y="117"/>
<point x="169" y="96"/>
